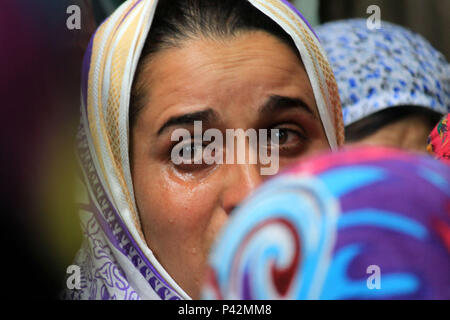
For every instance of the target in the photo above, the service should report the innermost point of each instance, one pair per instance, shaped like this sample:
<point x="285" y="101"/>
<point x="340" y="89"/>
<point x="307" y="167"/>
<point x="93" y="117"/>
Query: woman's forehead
<point x="249" y="66"/>
<point x="235" y="83"/>
<point x="207" y="55"/>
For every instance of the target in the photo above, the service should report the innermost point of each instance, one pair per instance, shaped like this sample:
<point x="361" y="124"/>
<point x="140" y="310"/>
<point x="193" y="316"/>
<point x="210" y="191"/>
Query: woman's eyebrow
<point x="277" y="103"/>
<point x="205" y="116"/>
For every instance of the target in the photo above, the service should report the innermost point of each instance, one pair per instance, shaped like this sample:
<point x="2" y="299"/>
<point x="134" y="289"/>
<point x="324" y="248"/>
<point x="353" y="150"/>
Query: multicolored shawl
<point x="439" y="140"/>
<point x="368" y="223"/>
<point x="115" y="260"/>
<point x="381" y="68"/>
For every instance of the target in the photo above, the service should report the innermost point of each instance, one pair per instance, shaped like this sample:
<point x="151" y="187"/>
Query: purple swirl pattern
<point x="262" y="252"/>
<point x="316" y="230"/>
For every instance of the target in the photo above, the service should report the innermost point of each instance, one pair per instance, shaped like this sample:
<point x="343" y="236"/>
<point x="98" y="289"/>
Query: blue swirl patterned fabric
<point x="363" y="223"/>
<point x="381" y="68"/>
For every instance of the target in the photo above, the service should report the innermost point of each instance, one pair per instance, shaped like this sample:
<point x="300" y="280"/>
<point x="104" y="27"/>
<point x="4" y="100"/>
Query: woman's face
<point x="250" y="81"/>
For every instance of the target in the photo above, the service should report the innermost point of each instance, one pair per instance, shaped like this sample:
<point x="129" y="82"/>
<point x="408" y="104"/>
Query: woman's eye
<point x="285" y="136"/>
<point x="281" y="135"/>
<point x="187" y="153"/>
<point x="289" y="139"/>
<point x="190" y="152"/>
<point x="188" y="156"/>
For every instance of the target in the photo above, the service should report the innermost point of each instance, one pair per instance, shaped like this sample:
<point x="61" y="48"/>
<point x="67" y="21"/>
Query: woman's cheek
<point x="317" y="145"/>
<point x="314" y="146"/>
<point x="178" y="208"/>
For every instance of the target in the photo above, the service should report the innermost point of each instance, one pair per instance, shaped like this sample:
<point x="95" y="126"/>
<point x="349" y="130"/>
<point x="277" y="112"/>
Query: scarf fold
<point x="115" y="260"/>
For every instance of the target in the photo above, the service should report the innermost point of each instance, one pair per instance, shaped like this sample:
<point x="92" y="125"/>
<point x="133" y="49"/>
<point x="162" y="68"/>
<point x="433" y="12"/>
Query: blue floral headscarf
<point x="381" y="68"/>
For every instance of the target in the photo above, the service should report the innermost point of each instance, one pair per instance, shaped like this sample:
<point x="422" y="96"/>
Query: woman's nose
<point x="241" y="180"/>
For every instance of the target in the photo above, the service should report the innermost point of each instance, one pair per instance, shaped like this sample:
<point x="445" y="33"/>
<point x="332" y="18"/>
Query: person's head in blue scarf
<point x="380" y="69"/>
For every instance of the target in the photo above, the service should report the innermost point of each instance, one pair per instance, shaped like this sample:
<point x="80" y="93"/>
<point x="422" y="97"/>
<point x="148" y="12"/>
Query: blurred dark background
<point x="39" y="83"/>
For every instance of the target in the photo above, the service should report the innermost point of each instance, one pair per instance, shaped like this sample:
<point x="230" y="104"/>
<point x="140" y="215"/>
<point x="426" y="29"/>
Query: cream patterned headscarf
<point x="115" y="260"/>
